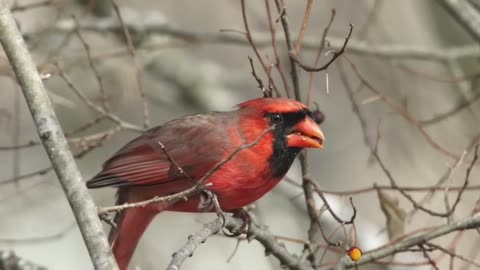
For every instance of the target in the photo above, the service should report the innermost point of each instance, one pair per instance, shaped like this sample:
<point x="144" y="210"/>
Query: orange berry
<point x="355" y="253"/>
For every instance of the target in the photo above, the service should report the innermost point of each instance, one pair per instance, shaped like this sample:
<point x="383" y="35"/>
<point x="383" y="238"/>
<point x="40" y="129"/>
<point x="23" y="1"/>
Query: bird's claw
<point x="247" y="219"/>
<point x="208" y="202"/>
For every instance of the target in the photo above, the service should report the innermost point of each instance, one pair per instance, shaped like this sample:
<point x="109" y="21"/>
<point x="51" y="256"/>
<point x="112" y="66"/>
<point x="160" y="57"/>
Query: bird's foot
<point x="208" y="202"/>
<point x="247" y="219"/>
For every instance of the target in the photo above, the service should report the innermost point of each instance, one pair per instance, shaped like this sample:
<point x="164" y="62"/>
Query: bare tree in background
<point x="396" y="187"/>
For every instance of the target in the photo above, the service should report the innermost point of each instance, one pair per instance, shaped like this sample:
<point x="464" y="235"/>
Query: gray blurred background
<point x="181" y="77"/>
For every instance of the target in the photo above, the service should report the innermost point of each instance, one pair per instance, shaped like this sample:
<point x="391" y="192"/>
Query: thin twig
<point x="377" y="187"/>
<point x="303" y="29"/>
<point x="401" y="111"/>
<point x="444" y="178"/>
<point x="327" y="205"/>
<point x="278" y="64"/>
<point x="266" y="93"/>
<point x="93" y="67"/>
<point x="253" y="45"/>
<point x="393" y="182"/>
<point x="94" y="107"/>
<point x="315" y="217"/>
<point x="172" y="160"/>
<point x="262" y="39"/>
<point x="460" y="257"/>
<point x="16" y="132"/>
<point x="336" y="54"/>
<point x="293" y="68"/>
<point x="467" y="176"/>
<point x="39" y="239"/>
<point x="20" y="146"/>
<point x="438" y="77"/>
<point x="169" y="199"/>
<point x="427" y="256"/>
<point x="26" y="176"/>
<point x="452" y="112"/>
<point x="138" y="67"/>
<point x="317" y="58"/>
<point x="68" y="134"/>
<point x="374" y="150"/>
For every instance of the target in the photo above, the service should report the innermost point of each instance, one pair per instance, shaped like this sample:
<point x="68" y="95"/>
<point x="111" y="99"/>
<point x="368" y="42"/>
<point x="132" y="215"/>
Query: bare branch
<point x="138" y="67"/>
<point x="278" y="64"/>
<point x="398" y="108"/>
<point x="96" y="108"/>
<point x="40" y="239"/>
<point x="428" y="257"/>
<point x="268" y="240"/>
<point x="467" y="176"/>
<point x="327" y="205"/>
<point x="54" y="141"/>
<point x="393" y="183"/>
<point x="465" y="224"/>
<point x="157" y="25"/>
<point x="265" y="91"/>
<point x="452" y="112"/>
<point x="169" y="199"/>
<point x="303" y="29"/>
<point x="92" y="65"/>
<point x="336" y="54"/>
<point x="25" y="176"/>
<point x="253" y="44"/>
<point x="293" y="68"/>
<point x="317" y="57"/>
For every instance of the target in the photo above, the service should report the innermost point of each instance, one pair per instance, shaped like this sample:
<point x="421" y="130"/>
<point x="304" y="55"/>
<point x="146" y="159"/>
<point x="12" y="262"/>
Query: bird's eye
<point x="276" y="118"/>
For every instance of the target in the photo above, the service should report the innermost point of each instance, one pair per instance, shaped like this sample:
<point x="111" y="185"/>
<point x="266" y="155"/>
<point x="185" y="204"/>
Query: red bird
<point x="141" y="170"/>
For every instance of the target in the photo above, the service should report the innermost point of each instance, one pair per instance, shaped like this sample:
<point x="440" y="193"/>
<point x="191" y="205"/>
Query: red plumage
<point x="141" y="169"/>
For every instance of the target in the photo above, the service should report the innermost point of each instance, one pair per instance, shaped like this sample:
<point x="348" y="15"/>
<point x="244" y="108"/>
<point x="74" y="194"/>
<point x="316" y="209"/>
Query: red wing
<point x="195" y="143"/>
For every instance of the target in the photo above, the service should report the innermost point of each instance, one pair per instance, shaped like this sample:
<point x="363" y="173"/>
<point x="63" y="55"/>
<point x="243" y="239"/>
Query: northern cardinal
<point x="141" y="170"/>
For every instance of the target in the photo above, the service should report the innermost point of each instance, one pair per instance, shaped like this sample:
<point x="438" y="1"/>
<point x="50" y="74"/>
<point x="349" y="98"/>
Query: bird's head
<point x="294" y="125"/>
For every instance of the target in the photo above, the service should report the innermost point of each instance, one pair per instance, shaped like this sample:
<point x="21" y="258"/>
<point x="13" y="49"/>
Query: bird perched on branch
<point x="170" y="158"/>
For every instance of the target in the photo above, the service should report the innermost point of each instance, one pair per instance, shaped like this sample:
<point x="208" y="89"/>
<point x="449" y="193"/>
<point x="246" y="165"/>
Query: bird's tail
<point x="131" y="224"/>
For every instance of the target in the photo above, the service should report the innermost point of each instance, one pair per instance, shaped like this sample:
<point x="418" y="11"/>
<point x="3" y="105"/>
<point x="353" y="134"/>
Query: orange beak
<point x="306" y="134"/>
